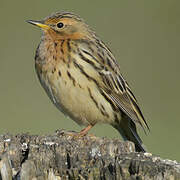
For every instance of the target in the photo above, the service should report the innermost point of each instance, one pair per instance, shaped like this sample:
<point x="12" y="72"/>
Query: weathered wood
<point x="62" y="156"/>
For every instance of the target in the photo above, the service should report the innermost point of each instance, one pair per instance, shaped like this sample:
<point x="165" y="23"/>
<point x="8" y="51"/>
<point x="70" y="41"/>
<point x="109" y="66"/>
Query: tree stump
<point x="62" y="156"/>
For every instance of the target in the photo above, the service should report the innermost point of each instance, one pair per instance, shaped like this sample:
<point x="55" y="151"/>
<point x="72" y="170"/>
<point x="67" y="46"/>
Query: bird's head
<point x="64" y="25"/>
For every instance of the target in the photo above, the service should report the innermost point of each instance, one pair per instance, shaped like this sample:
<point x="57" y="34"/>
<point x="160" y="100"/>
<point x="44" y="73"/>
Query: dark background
<point x="144" y="37"/>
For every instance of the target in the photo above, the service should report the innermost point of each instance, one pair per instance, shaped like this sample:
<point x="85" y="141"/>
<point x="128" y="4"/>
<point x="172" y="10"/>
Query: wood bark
<point x="62" y="156"/>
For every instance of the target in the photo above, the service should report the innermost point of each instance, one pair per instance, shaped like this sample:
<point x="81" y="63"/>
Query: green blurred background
<point x="144" y="37"/>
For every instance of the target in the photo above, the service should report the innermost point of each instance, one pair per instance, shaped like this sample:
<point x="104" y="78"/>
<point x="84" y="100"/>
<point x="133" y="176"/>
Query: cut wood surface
<point x="63" y="156"/>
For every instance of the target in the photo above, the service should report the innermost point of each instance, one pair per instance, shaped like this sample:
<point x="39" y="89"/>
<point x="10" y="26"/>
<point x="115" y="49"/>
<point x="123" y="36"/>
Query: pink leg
<point x="84" y="131"/>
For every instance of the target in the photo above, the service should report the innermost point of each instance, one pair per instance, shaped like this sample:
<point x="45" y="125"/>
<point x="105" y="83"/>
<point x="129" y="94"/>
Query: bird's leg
<point x="84" y="131"/>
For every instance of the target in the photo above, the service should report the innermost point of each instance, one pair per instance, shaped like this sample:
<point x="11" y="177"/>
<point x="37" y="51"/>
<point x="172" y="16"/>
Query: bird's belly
<point x="79" y="98"/>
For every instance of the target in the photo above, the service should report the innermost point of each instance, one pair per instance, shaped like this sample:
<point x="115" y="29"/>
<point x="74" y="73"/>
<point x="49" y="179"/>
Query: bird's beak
<point x="38" y="23"/>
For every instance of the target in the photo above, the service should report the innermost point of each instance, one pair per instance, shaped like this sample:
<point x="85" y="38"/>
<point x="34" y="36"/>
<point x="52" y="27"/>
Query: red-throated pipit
<point x="82" y="77"/>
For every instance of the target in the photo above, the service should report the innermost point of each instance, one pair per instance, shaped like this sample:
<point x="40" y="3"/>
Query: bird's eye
<point x="60" y="25"/>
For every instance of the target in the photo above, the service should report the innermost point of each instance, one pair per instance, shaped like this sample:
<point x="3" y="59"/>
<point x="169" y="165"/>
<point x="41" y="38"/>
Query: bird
<point x="83" y="79"/>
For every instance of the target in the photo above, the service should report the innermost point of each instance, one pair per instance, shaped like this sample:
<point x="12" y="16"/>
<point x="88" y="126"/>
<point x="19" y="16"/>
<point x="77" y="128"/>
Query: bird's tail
<point x="128" y="131"/>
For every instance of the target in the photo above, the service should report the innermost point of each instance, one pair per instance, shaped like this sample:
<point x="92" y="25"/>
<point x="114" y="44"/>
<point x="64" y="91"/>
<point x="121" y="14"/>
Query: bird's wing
<point x="117" y="89"/>
<point x="113" y="85"/>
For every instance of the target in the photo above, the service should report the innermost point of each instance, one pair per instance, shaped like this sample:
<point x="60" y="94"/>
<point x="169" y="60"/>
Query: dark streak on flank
<point x="102" y="107"/>
<point x="70" y="77"/>
<point x="80" y="68"/>
<point x="103" y="111"/>
<point x="59" y="72"/>
<point x="80" y="86"/>
<point x="83" y="72"/>
<point x="91" y="96"/>
<point x="54" y="57"/>
<point x="55" y="44"/>
<point x="62" y="42"/>
<point x="63" y="60"/>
